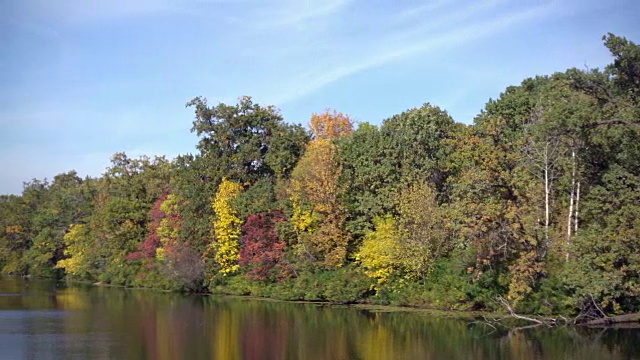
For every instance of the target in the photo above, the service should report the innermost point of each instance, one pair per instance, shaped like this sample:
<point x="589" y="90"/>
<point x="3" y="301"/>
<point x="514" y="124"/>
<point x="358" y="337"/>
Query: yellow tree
<point x="318" y="216"/>
<point x="410" y="244"/>
<point x="226" y="227"/>
<point x="380" y="251"/>
<point x="330" y="125"/>
<point x="77" y="251"/>
<point x="168" y="229"/>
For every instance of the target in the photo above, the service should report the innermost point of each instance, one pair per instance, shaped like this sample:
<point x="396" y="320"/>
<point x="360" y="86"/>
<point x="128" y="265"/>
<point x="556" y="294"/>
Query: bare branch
<point x="597" y="307"/>
<point x="505" y="303"/>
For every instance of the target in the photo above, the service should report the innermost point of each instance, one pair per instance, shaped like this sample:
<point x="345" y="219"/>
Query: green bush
<point x="549" y="297"/>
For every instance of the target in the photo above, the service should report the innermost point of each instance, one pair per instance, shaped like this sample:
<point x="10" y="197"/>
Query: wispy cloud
<point x="450" y="30"/>
<point x="81" y="80"/>
<point x="300" y="13"/>
<point x="422" y="9"/>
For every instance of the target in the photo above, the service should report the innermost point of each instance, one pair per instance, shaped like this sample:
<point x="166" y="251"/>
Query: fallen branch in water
<point x="610" y="320"/>
<point x="506" y="304"/>
<point x="591" y="312"/>
<point x="550" y="322"/>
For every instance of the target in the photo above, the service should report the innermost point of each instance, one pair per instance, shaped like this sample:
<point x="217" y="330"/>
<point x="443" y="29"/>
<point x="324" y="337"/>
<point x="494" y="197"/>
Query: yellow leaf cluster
<point x="317" y="214"/>
<point x="170" y="205"/>
<point x="160" y="254"/>
<point x="301" y="218"/>
<point x="226" y="227"/>
<point x="315" y="179"/>
<point x="380" y="250"/>
<point x="422" y="229"/>
<point x="330" y="125"/>
<point x="76" y="249"/>
<point x="167" y="232"/>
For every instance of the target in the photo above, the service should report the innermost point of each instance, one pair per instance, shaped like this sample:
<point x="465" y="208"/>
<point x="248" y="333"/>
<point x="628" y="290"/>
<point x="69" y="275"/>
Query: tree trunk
<point x="547" y="190"/>
<point x="575" y="219"/>
<point x="571" y="198"/>
<point x="620" y="319"/>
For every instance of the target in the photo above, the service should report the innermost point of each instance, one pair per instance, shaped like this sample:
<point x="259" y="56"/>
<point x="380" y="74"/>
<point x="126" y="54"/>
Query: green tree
<point x="365" y="177"/>
<point x="605" y="261"/>
<point x="491" y="207"/>
<point x="190" y="181"/>
<point x="416" y="147"/>
<point x="237" y="139"/>
<point x="603" y="254"/>
<point x="118" y="224"/>
<point x="423" y="230"/>
<point x="15" y="238"/>
<point x="67" y="201"/>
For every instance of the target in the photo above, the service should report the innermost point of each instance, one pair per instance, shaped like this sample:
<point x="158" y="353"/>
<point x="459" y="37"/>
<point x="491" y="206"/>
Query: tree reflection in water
<point x="42" y="319"/>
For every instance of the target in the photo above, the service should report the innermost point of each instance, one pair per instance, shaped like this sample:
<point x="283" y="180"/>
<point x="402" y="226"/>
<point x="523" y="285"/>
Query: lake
<point x="42" y="319"/>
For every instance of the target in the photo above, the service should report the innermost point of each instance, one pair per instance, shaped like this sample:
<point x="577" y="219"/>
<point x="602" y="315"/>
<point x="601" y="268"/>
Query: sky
<point x="83" y="79"/>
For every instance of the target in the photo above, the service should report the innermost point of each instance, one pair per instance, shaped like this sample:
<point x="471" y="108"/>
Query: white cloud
<point x="450" y="30"/>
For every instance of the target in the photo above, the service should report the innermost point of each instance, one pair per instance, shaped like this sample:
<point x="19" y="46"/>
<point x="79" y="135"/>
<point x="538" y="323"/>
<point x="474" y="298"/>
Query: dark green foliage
<point x="344" y="285"/>
<point x="243" y="141"/>
<point x="415" y="146"/>
<point x="378" y="163"/>
<point x="625" y="70"/>
<point x="447" y="287"/>
<point x="192" y="182"/>
<point x="14" y="234"/>
<point x="605" y="257"/>
<point x="550" y="297"/>
<point x="259" y="198"/>
<point x="287" y="144"/>
<point x="365" y="178"/>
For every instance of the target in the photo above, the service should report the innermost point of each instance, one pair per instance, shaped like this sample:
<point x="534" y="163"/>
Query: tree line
<point x="537" y="202"/>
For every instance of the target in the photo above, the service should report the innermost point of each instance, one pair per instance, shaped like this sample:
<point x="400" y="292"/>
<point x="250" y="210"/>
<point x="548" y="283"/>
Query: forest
<point x="536" y="203"/>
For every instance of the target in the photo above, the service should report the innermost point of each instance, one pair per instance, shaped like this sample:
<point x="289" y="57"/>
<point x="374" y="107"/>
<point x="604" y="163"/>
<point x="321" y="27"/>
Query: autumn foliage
<point x="318" y="216"/>
<point x="418" y="210"/>
<point x="226" y="227"/>
<point x="164" y="228"/>
<point x="330" y="125"/>
<point x="262" y="250"/>
<point x="147" y="249"/>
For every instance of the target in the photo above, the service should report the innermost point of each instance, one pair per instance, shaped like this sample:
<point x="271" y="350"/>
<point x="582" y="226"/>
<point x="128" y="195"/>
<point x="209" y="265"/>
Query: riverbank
<point x="252" y="291"/>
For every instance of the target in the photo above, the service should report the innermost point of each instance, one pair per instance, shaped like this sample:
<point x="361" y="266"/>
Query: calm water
<point x="44" y="320"/>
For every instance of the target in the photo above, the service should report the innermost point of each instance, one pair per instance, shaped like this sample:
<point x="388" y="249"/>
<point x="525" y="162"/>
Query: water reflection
<point x="40" y="319"/>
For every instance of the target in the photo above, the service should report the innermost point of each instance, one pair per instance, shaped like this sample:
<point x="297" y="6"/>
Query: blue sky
<point x="81" y="79"/>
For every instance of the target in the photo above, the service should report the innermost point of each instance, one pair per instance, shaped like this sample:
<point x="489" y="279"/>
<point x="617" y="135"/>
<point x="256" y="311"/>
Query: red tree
<point x="262" y="249"/>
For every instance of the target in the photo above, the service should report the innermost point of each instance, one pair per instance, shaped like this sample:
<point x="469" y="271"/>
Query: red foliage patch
<point x="147" y="249"/>
<point x="262" y="249"/>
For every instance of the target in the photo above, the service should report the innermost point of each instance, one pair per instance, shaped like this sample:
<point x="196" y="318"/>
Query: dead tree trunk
<point x="571" y="199"/>
<point x="620" y="319"/>
<point x="575" y="219"/>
